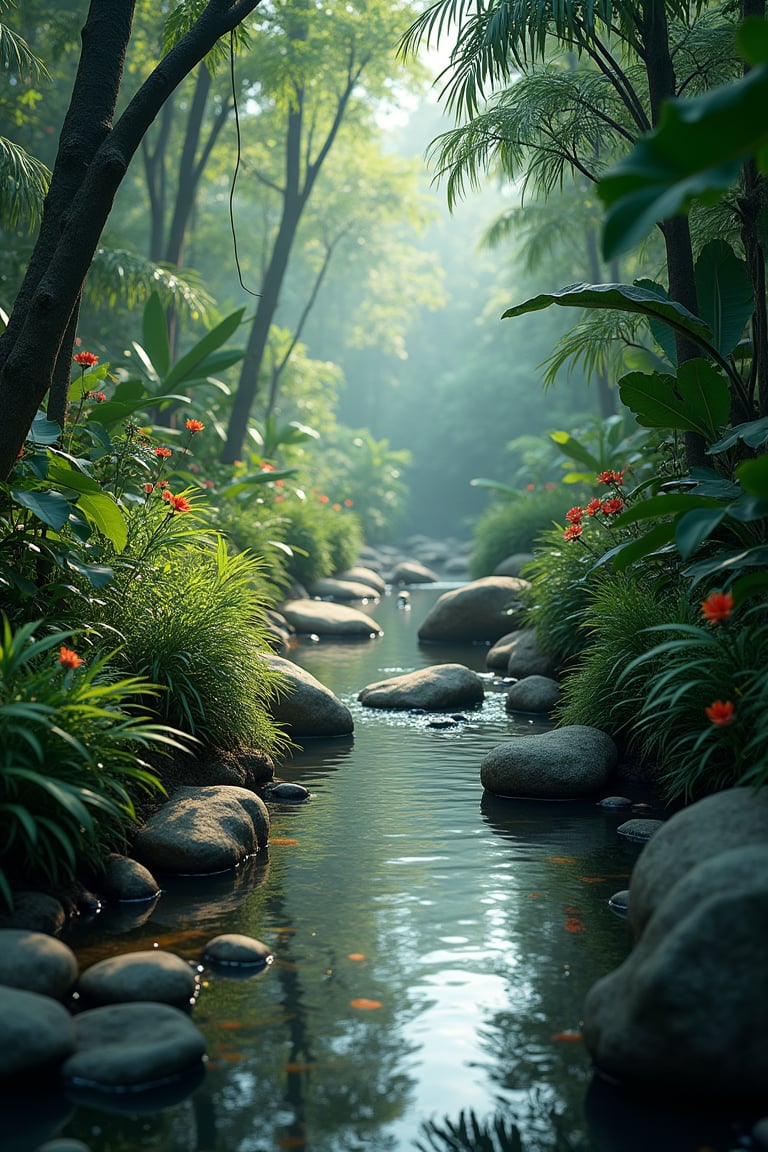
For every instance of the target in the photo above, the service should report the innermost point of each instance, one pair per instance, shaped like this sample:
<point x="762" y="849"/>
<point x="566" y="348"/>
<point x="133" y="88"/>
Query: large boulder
<point x="325" y="619"/>
<point x="524" y="657"/>
<point x="203" y="830"/>
<point x="533" y="694"/>
<point x="687" y="1011"/>
<point x="37" y="963"/>
<point x="132" y="1046"/>
<point x="308" y="708"/>
<point x="155" y="975"/>
<point x="730" y="819"/>
<point x="127" y="880"/>
<point x="559" y="765"/>
<point x="412" y="572"/>
<point x="439" y="688"/>
<point x="481" y="610"/>
<point x="334" y="588"/>
<point x="362" y="575"/>
<point x="36" y="1032"/>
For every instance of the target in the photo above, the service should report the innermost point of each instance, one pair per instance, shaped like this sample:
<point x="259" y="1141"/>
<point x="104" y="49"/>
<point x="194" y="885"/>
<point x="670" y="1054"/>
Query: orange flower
<point x="573" y="515"/>
<point x="717" y="607"/>
<point x="336" y="507"/>
<point x="530" y="487"/>
<point x="163" y="453"/>
<point x="97" y="397"/>
<point x="573" y="532"/>
<point x="86" y="359"/>
<point x="194" y="426"/>
<point x="178" y="503"/>
<point x="324" y="499"/>
<point x="68" y="658"/>
<point x="161" y="484"/>
<point x="720" y="712"/>
<point x="347" y="503"/>
<point x="149" y="487"/>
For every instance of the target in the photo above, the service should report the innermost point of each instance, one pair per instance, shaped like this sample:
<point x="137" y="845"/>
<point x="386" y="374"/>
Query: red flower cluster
<point x="68" y="658"/>
<point x="611" y="507"/>
<point x="163" y="453"/>
<point x="86" y="359"/>
<point x="717" y="607"/>
<point x="574" y="515"/>
<point x="721" y="712"/>
<point x="611" y="477"/>
<point x="573" y="532"/>
<point x="593" y="507"/>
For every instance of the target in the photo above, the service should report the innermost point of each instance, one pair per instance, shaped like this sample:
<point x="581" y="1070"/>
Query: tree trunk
<point x="51" y="287"/>
<point x="606" y="396"/>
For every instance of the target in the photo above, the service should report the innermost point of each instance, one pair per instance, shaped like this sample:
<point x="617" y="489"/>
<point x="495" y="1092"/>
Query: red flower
<point x="573" y="532"/>
<point x="717" y="607"/>
<point x="573" y="515"/>
<point x="178" y="503"/>
<point x="207" y="484"/>
<point x="68" y="658"/>
<point x="611" y="477"/>
<point x="324" y="499"/>
<point x="593" y="507"/>
<point x="149" y="487"/>
<point x="161" y="484"/>
<point x="99" y="397"/>
<point x="530" y="487"/>
<point x="167" y="495"/>
<point x="720" y="712"/>
<point x="347" y="503"/>
<point x="86" y="359"/>
<point x="163" y="453"/>
<point x="267" y="468"/>
<point x="611" y="507"/>
<point x="194" y="426"/>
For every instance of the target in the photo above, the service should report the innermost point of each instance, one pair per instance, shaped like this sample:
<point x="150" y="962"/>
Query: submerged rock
<point x="151" y="975"/>
<point x="235" y="949"/>
<point x="481" y="610"/>
<point x="36" y="1032"/>
<point x="438" y="688"/>
<point x="641" y="829"/>
<point x="37" y="963"/>
<point x="325" y="619"/>
<point x="35" y="912"/>
<point x="203" y="830"/>
<point x="559" y="765"/>
<point x="132" y="1046"/>
<point x="308" y="708"/>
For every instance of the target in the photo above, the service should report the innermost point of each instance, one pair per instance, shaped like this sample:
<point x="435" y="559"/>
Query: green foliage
<point x="670" y="688"/>
<point x="513" y="525"/>
<point x="69" y="770"/>
<point x="314" y="531"/>
<point x="194" y="624"/>
<point x="614" y="628"/>
<point x="562" y="577"/>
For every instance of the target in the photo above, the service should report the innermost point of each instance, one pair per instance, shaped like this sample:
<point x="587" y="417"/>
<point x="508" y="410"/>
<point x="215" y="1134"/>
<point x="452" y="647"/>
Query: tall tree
<point x="92" y="159"/>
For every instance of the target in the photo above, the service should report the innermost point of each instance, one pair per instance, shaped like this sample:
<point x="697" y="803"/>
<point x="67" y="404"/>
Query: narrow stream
<point x="433" y="946"/>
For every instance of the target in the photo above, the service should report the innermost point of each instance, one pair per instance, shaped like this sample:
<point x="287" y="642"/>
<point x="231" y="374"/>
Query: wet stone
<point x="151" y="975"/>
<point x="615" y="802"/>
<point x="619" y="903"/>
<point x="287" y="793"/>
<point x="37" y="963"/>
<point x="449" y="723"/>
<point x="64" y="1144"/>
<point x="237" y="950"/>
<point x="641" y="830"/>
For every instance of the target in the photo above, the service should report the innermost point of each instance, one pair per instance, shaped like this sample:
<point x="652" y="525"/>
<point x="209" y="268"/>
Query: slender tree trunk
<point x="155" y="160"/>
<point x="43" y="309"/>
<point x="58" y="397"/>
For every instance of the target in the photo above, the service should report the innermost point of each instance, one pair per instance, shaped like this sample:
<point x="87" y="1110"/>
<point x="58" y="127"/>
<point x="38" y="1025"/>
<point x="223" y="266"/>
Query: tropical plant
<point x="562" y="577"/>
<point x="513" y="524"/>
<point x="71" y="735"/>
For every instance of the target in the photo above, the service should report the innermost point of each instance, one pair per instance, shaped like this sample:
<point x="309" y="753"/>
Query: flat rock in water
<point x="362" y="575"/>
<point x="481" y="610"/>
<point x="308" y="708"/>
<point x="132" y="1046"/>
<point x="533" y="694"/>
<point x="232" y="948"/>
<point x="36" y="1032"/>
<point x="284" y="792"/>
<point x="152" y="975"/>
<point x="413" y="572"/>
<point x="37" y="963"/>
<point x="730" y="819"/>
<point x="687" y="1011"/>
<point x="202" y="830"/>
<point x="126" y="879"/>
<point x="438" y="688"/>
<point x="325" y="619"/>
<point x="559" y="765"/>
<point x="641" y="829"/>
<point x="620" y="803"/>
<point x="335" y="588"/>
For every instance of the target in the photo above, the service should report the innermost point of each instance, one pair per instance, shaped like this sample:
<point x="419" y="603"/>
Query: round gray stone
<point x="525" y="657"/>
<point x="36" y="912"/>
<point x="640" y="829"/>
<point x="132" y="1046"/>
<point x="618" y="802"/>
<point x="286" y="793"/>
<point x="202" y="830"/>
<point x="325" y="619"/>
<point x="512" y="565"/>
<point x="533" y="694"/>
<point x="338" y="589"/>
<point x="151" y="975"/>
<point x="562" y="764"/>
<point x="412" y="572"/>
<point x="35" y="1032"/>
<point x="362" y="575"/>
<point x="126" y="879"/>
<point x="438" y="688"/>
<point x="307" y="708"/>
<point x="481" y="610"/>
<point x="37" y="963"/>
<point x="232" y="948"/>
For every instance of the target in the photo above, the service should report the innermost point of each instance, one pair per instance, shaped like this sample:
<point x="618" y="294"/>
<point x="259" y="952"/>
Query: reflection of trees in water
<point x="545" y="1130"/>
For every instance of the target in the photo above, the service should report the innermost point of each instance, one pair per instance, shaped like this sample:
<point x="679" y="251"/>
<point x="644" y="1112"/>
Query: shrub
<point x="69" y="769"/>
<point x="345" y="539"/>
<point x="193" y="622"/>
<point x="562" y="575"/>
<point x="509" y="526"/>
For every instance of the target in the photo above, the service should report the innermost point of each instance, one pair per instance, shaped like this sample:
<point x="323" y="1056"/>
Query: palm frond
<point x="181" y="19"/>
<point x="17" y="57"/>
<point x="597" y="344"/>
<point x="118" y="275"/>
<point x="23" y="186"/>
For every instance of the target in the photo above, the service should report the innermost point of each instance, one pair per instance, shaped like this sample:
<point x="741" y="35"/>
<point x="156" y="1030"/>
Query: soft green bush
<point x="193" y="622"/>
<point x="513" y="525"/>
<point x="69" y="769"/>
<point x="703" y="709"/>
<point x="615" y="626"/>
<point x="345" y="538"/>
<point x="562" y="575"/>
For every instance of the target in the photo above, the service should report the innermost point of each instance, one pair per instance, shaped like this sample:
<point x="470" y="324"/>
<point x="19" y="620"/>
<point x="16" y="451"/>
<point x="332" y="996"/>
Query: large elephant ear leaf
<point x="724" y="294"/>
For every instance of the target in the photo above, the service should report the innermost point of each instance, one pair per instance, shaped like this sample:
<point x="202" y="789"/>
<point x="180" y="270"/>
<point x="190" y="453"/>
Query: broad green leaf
<point x="623" y="298"/>
<point x="726" y="563"/>
<point x="143" y="356"/>
<point x="97" y="575"/>
<point x="112" y="412"/>
<point x="575" y="451"/>
<point x="753" y="584"/>
<point x="43" y="430"/>
<point x="129" y="390"/>
<point x="697" y="400"/>
<point x="154" y="335"/>
<point x="661" y="332"/>
<point x="695" y="527"/>
<point x="749" y="509"/>
<point x="88" y="382"/>
<point x="61" y="472"/>
<point x="724" y="294"/>
<point x="705" y="393"/>
<point x="674" y="504"/>
<point x="50" y="507"/>
<point x="184" y="367"/>
<point x="255" y="480"/>
<point x="216" y="362"/>
<point x="649" y="542"/>
<point x="104" y="514"/>
<point x="753" y="476"/>
<point x="754" y="433"/>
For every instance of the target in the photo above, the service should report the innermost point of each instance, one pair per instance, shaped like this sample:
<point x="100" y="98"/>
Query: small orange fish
<point x="368" y="1005"/>
<point x="284" y="931"/>
<point x="561" y="859"/>
<point x="356" y="956"/>
<point x="231" y="1057"/>
<point x="574" y="924"/>
<point x="535" y="895"/>
<point x="568" y="1036"/>
<point x="283" y="840"/>
<point x="592" y="879"/>
<point x="231" y="1025"/>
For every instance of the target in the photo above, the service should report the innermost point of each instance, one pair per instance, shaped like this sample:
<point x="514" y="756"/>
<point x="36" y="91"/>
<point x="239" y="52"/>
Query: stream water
<point x="433" y="949"/>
